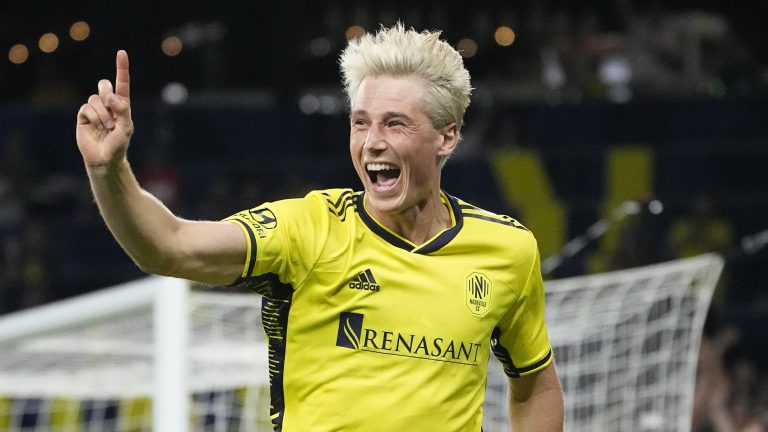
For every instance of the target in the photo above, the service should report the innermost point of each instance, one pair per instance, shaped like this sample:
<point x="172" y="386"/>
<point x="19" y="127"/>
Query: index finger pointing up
<point x="123" y="79"/>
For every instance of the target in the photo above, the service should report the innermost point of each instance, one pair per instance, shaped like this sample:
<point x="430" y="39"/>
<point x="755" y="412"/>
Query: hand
<point x="104" y="125"/>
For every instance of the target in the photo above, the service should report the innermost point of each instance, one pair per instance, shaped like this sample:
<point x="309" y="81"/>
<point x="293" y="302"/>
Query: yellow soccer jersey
<point x="369" y="332"/>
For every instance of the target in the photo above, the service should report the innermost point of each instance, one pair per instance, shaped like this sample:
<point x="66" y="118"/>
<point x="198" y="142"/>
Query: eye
<point x="359" y="122"/>
<point x="393" y="123"/>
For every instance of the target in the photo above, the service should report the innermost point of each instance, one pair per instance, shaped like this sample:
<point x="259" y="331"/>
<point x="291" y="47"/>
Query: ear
<point x="450" y="134"/>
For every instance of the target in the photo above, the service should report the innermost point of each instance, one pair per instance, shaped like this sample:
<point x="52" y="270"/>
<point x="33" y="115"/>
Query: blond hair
<point x="398" y="52"/>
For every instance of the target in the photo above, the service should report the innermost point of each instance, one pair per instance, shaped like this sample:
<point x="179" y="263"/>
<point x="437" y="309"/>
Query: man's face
<point x="395" y="148"/>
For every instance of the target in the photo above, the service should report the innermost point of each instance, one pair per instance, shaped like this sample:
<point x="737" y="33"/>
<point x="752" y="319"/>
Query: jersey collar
<point x="433" y="245"/>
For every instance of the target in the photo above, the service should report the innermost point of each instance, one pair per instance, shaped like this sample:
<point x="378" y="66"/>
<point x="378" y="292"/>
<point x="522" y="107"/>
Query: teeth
<point x="380" y="167"/>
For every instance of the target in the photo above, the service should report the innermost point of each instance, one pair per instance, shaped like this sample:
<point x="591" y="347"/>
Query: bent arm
<point x="160" y="242"/>
<point x="536" y="402"/>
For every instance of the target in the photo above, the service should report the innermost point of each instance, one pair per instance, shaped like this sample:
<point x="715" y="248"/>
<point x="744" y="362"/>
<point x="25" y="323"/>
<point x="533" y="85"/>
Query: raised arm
<point x="536" y="402"/>
<point x="157" y="240"/>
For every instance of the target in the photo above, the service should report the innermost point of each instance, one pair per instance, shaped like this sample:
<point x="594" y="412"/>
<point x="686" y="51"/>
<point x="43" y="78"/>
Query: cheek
<point x="422" y="163"/>
<point x="355" y="150"/>
<point x="426" y="151"/>
<point x="355" y="144"/>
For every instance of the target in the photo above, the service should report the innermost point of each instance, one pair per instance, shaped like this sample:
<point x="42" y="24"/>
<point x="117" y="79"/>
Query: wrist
<point x="108" y="169"/>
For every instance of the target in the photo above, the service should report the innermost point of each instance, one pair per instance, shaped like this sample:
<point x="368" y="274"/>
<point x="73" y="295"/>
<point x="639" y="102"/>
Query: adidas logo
<point x="365" y="281"/>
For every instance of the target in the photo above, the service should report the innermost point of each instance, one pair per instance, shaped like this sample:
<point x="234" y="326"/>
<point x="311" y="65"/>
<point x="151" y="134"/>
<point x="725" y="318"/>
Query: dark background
<point x="264" y="118"/>
<point x="261" y="117"/>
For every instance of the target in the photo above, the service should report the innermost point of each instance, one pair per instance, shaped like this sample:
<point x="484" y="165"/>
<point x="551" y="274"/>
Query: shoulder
<point x="498" y="232"/>
<point x="491" y="220"/>
<point x="336" y="202"/>
<point x="316" y="205"/>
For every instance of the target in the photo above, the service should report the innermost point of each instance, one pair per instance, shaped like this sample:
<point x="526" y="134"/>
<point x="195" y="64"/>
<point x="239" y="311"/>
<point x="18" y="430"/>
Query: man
<point x="381" y="306"/>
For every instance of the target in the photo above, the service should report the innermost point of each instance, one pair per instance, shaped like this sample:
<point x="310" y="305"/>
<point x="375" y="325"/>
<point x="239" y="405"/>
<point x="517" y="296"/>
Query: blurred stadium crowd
<point x="245" y="107"/>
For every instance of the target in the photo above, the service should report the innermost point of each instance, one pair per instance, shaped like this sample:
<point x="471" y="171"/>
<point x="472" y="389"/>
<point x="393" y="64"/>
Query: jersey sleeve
<point x="520" y="340"/>
<point x="284" y="238"/>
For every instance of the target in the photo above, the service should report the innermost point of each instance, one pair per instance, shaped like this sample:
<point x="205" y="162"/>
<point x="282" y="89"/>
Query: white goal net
<point x="626" y="346"/>
<point x="108" y="361"/>
<point x="625" y="343"/>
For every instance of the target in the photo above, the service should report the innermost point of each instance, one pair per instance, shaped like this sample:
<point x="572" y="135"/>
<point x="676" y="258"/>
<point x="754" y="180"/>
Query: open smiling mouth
<point x="382" y="174"/>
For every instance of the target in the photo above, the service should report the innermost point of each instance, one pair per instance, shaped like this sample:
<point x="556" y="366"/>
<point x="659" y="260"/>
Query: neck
<point x="419" y="223"/>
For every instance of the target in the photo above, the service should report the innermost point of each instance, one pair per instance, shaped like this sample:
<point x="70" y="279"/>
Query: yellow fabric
<point x="368" y="331"/>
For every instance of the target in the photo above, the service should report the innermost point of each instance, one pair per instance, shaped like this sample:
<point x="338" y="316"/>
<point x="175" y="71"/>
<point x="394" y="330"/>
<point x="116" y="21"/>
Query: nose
<point x="375" y="140"/>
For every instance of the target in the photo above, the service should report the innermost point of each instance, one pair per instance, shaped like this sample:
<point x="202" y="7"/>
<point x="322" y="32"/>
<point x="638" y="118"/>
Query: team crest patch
<point x="478" y="294"/>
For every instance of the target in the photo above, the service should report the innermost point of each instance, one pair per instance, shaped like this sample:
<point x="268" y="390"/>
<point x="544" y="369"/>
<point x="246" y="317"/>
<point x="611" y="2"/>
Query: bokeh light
<point x="79" y="31"/>
<point x="504" y="36"/>
<point x="320" y="47"/>
<point x="48" y="43"/>
<point x="18" y="54"/>
<point x="467" y="47"/>
<point x="172" y="46"/>
<point x="354" y="32"/>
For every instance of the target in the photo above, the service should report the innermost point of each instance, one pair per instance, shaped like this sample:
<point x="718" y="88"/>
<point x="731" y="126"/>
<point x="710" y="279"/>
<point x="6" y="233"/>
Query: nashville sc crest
<point x="477" y="294"/>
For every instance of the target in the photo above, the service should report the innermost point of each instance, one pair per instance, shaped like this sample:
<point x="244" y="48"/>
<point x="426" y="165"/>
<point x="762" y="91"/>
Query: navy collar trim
<point x="434" y="245"/>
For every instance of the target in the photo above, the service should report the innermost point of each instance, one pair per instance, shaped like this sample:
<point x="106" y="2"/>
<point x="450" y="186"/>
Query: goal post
<point x="170" y="410"/>
<point x="165" y="297"/>
<point x="156" y="355"/>
<point x="148" y="355"/>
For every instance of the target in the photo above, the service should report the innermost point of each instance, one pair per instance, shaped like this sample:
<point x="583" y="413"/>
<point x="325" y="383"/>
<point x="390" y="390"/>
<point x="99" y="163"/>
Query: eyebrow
<point x="387" y="114"/>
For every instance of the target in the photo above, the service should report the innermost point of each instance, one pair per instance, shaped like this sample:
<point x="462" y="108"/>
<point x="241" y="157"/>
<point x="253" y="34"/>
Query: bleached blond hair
<point x="398" y="52"/>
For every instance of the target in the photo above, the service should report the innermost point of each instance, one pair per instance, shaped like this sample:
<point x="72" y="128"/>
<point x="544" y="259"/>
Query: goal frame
<point x="168" y="299"/>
